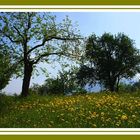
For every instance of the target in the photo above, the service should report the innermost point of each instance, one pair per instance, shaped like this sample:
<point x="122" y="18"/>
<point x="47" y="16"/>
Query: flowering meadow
<point x="100" y="110"/>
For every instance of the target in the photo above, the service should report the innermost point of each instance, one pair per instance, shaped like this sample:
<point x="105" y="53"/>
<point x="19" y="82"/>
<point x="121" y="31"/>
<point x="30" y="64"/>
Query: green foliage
<point x="136" y="86"/>
<point x="65" y="83"/>
<point x="101" y="110"/>
<point x="34" y="89"/>
<point x="126" y="88"/>
<point x="108" y="59"/>
<point x="52" y="86"/>
<point x="5" y="64"/>
<point x="129" y="88"/>
<point x="5" y="103"/>
<point x="38" y="37"/>
<point x="43" y="35"/>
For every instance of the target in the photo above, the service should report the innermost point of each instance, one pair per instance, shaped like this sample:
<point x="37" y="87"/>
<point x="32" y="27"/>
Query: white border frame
<point x="70" y="131"/>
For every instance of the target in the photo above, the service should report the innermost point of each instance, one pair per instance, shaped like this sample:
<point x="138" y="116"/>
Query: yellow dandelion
<point x="124" y="117"/>
<point x="94" y="114"/>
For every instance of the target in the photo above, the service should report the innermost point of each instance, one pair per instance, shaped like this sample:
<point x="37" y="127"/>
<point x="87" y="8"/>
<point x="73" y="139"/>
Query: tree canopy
<point x="108" y="59"/>
<point x="37" y="37"/>
<point x="5" y="64"/>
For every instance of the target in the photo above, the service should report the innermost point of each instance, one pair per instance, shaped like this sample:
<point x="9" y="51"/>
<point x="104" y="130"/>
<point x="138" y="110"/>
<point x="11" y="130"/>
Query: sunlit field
<point x="101" y="110"/>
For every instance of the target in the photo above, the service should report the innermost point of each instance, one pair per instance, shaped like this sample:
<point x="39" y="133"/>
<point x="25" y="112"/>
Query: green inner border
<point x="70" y="131"/>
<point x="69" y="2"/>
<point x="71" y="8"/>
<point x="69" y="137"/>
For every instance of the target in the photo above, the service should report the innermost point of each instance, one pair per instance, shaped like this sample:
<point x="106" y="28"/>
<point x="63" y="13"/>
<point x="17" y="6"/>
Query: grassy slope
<point x="80" y="111"/>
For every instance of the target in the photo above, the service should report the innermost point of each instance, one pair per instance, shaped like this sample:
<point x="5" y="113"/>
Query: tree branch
<point x="28" y="27"/>
<point x="10" y="38"/>
<point x="29" y="21"/>
<point x="51" y="38"/>
<point x="45" y="55"/>
<point x="13" y="67"/>
<point x="19" y="32"/>
<point x="55" y="53"/>
<point x="37" y="46"/>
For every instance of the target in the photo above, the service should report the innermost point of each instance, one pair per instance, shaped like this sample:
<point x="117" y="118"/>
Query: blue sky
<point x="92" y="22"/>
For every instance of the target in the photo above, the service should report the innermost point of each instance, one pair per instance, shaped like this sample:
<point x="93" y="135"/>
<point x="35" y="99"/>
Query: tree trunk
<point x="28" y="68"/>
<point x="112" y="88"/>
<point x="112" y="85"/>
<point x="117" y="85"/>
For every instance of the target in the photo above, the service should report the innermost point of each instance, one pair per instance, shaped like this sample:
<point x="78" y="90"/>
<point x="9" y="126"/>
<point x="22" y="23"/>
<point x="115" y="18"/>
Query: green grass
<point x="103" y="110"/>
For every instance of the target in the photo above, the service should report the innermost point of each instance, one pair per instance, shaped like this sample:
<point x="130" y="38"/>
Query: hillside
<point x="104" y="110"/>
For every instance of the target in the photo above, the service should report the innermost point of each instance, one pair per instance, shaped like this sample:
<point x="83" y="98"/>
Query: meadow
<point x="101" y="110"/>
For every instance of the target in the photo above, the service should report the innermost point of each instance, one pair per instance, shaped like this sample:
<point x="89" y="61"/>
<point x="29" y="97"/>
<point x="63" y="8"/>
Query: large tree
<point x="108" y="59"/>
<point x="37" y="37"/>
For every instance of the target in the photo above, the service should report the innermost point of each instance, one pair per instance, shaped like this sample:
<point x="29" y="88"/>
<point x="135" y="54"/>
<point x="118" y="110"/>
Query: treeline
<point x="31" y="38"/>
<point x="56" y="86"/>
<point x="66" y="83"/>
<point x="129" y="88"/>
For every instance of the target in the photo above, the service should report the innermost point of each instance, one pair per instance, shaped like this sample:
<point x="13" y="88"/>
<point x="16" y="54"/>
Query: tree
<point x="65" y="83"/>
<point x="127" y="88"/>
<point x="136" y="86"/>
<point x="52" y="86"/>
<point x="37" y="37"/>
<point x="5" y="64"/>
<point x="108" y="59"/>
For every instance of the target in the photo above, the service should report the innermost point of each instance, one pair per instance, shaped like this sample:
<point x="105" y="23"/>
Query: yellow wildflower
<point x="124" y="117"/>
<point x="93" y="114"/>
